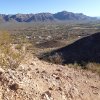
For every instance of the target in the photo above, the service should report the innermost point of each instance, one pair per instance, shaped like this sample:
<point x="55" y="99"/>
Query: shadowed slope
<point x="84" y="50"/>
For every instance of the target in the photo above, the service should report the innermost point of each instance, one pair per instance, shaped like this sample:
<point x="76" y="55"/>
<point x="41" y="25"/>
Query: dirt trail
<point x="39" y="80"/>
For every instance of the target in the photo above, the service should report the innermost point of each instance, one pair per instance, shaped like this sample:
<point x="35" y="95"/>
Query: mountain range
<point x="45" y="17"/>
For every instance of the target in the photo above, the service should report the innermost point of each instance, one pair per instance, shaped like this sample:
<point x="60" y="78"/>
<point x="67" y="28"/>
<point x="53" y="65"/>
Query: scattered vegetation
<point x="94" y="67"/>
<point x="9" y="56"/>
<point x="41" y="38"/>
<point x="57" y="59"/>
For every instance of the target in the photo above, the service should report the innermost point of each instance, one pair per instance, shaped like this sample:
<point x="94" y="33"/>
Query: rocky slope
<point x="45" y="17"/>
<point x="39" y="80"/>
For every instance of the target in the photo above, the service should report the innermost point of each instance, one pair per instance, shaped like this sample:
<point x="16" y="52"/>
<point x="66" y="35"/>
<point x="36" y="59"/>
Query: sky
<point x="88" y="7"/>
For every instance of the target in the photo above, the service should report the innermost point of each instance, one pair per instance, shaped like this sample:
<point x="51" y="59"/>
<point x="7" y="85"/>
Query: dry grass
<point x="94" y="67"/>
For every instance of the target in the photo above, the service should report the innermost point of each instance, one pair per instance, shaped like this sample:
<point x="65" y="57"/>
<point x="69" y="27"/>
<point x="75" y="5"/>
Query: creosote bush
<point x="9" y="58"/>
<point x="57" y="59"/>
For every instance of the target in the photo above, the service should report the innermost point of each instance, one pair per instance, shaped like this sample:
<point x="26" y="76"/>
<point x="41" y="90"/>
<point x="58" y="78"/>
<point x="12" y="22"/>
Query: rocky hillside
<point x="45" y="17"/>
<point x="39" y="80"/>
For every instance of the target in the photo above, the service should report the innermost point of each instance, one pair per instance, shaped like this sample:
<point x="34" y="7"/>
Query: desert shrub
<point x="56" y="58"/>
<point x="18" y="46"/>
<point x="8" y="57"/>
<point x="94" y="67"/>
<point x="29" y="47"/>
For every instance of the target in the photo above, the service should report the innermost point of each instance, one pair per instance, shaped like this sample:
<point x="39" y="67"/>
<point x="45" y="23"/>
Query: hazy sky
<point x="88" y="7"/>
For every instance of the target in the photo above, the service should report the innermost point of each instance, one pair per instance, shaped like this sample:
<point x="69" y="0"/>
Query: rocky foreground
<point x="39" y="80"/>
